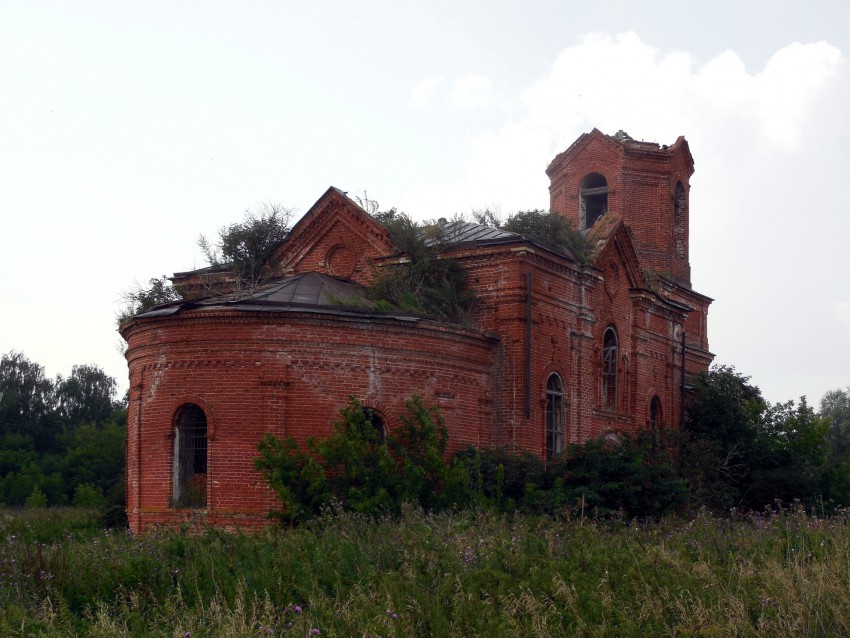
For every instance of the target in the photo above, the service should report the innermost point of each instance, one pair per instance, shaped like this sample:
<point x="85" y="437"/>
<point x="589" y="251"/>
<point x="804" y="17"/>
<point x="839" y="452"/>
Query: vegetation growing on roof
<point x="435" y="285"/>
<point x="239" y="260"/>
<point x="138" y="298"/>
<point x="547" y="227"/>
<point x="245" y="248"/>
<point x="424" y="282"/>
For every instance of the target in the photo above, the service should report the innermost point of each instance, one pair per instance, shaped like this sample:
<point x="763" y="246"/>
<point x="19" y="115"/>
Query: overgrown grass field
<point x="780" y="573"/>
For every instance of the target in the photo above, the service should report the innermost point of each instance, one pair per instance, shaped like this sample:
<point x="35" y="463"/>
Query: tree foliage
<point x="426" y="282"/>
<point x="56" y="435"/>
<point x="633" y="476"/>
<point x="360" y="466"/>
<point x="368" y="471"/>
<point x="87" y="396"/>
<point x="27" y="402"/>
<point x="741" y="451"/>
<point x="138" y="299"/>
<point x="244" y="248"/>
<point x="547" y="227"/>
<point x="720" y="432"/>
<point x="835" y="408"/>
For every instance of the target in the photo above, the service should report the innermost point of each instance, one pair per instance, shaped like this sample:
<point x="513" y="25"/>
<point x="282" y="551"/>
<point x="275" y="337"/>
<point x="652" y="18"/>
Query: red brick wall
<point x="287" y="374"/>
<point x="340" y="240"/>
<point x="642" y="180"/>
<point x="570" y="310"/>
<point x="290" y="373"/>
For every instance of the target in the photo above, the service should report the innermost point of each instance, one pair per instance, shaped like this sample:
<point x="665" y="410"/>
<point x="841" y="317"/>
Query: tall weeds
<point x="783" y="572"/>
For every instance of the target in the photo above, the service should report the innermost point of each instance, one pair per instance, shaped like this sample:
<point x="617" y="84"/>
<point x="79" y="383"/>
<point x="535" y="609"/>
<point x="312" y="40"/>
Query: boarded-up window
<point x="190" y="457"/>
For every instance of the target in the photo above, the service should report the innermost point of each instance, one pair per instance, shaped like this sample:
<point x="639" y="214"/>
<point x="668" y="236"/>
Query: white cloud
<point x="424" y="90"/>
<point x="788" y="86"/>
<point x="472" y="91"/>
<point x="761" y="140"/>
<point x="621" y="82"/>
<point x="842" y="310"/>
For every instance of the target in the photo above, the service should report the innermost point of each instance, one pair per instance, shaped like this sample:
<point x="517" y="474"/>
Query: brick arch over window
<point x="610" y="357"/>
<point x="189" y="468"/>
<point x="554" y="416"/>
<point x="592" y="199"/>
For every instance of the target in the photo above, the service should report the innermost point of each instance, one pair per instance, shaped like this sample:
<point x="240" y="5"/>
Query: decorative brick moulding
<point x="556" y="351"/>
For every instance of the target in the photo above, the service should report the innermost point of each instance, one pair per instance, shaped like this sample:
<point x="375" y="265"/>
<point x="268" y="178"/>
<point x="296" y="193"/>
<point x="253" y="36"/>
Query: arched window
<point x="592" y="200"/>
<point x="190" y="457"/>
<point x="609" y="368"/>
<point x="655" y="415"/>
<point x="374" y="418"/>
<point x="554" y="416"/>
<point x="679" y="217"/>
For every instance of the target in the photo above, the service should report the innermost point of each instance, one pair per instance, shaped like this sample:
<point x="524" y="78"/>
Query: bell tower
<point x="643" y="183"/>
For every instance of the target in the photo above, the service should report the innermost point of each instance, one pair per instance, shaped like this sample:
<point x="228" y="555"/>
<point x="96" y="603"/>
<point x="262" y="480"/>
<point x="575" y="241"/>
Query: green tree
<point x="27" y="402"/>
<point x="95" y="455"/>
<point x="245" y="248"/>
<point x="720" y="433"/>
<point x="835" y="407"/>
<point x="36" y="499"/>
<point x="87" y="396"/>
<point x="741" y="451"/>
<point x="504" y="478"/>
<point x="87" y="495"/>
<point x="552" y="229"/>
<point x="789" y="455"/>
<point x="426" y="282"/>
<point x="54" y="436"/>
<point x="632" y="475"/>
<point x="360" y="465"/>
<point x="546" y="227"/>
<point x="138" y="299"/>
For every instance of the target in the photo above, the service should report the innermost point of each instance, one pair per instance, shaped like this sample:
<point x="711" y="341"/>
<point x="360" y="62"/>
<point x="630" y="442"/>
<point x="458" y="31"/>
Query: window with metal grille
<point x="554" y="416"/>
<point x="190" y="457"/>
<point x="609" y="368"/>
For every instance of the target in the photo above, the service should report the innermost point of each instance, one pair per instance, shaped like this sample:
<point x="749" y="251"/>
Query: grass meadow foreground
<point x="780" y="573"/>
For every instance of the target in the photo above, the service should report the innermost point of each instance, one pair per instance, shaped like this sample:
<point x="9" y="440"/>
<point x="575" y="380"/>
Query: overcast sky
<point x="127" y="129"/>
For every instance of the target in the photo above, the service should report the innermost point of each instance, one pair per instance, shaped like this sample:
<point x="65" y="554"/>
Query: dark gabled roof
<point x="458" y="233"/>
<point x="464" y="232"/>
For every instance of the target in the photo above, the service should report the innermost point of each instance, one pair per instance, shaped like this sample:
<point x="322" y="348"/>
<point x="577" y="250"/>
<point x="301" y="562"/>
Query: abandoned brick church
<point x="556" y="350"/>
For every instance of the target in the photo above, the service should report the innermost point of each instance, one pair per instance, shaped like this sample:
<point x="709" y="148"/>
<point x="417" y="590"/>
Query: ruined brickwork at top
<point x="643" y="183"/>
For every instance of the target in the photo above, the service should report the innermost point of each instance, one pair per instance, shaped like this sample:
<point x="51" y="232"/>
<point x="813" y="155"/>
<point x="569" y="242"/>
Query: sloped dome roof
<point x="310" y="290"/>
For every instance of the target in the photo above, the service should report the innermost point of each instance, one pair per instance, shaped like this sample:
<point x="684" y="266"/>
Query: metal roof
<point x="303" y="292"/>
<point x="309" y="288"/>
<point x="464" y="232"/>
